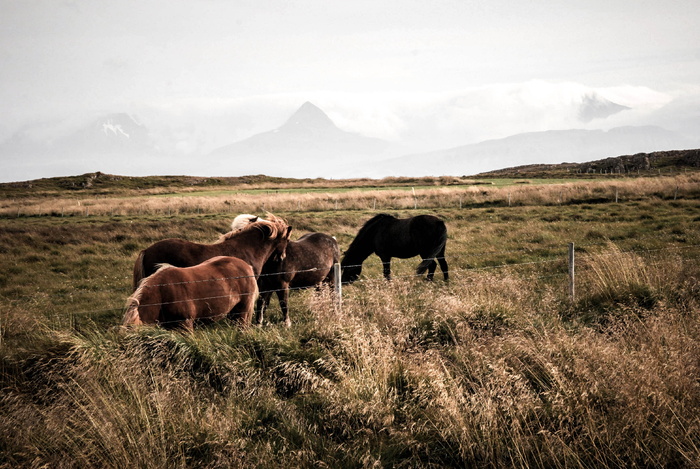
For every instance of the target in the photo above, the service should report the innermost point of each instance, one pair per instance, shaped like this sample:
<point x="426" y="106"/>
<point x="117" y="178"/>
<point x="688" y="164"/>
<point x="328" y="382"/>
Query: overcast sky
<point x="372" y="65"/>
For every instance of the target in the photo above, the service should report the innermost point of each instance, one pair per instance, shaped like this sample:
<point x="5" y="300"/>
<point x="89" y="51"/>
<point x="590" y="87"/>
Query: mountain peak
<point x="594" y="106"/>
<point x="310" y="115"/>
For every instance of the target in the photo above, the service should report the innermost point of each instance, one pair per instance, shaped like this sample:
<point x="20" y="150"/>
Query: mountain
<point x="111" y="142"/>
<point x="554" y="146"/>
<point x="110" y="135"/>
<point x="595" y="107"/>
<point x="309" y="144"/>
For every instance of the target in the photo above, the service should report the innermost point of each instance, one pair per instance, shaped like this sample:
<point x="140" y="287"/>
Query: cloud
<point x="469" y="115"/>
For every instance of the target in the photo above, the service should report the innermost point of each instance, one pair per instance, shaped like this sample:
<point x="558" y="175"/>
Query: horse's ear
<point x="289" y="231"/>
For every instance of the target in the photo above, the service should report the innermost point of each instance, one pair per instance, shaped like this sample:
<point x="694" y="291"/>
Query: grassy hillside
<point x="641" y="164"/>
<point x="500" y="367"/>
<point x="96" y="184"/>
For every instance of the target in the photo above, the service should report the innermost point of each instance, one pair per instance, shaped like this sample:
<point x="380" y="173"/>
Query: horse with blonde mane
<point x="255" y="243"/>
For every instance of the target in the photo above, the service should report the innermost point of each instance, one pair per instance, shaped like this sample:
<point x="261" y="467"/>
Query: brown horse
<point x="254" y="243"/>
<point x="309" y="262"/>
<point x="176" y="297"/>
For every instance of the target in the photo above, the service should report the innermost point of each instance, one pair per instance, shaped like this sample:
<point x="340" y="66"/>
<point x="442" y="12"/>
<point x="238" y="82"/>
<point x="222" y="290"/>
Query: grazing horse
<point x="255" y="243"/>
<point x="176" y="297"/>
<point x="388" y="236"/>
<point x="309" y="262"/>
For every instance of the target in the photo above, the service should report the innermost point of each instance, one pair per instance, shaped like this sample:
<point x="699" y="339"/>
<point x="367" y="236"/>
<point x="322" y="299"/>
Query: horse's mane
<point x="240" y="223"/>
<point x="134" y="301"/>
<point x="275" y="224"/>
<point x="369" y="228"/>
<point x="243" y="220"/>
<point x="136" y="296"/>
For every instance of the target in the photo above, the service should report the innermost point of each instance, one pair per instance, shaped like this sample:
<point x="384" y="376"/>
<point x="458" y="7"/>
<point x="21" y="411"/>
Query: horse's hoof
<point x="287" y="323"/>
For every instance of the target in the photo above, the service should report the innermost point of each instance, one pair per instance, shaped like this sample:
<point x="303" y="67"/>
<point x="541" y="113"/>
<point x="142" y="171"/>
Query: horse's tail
<point x="131" y="316"/>
<point x="423" y="266"/>
<point x="139" y="270"/>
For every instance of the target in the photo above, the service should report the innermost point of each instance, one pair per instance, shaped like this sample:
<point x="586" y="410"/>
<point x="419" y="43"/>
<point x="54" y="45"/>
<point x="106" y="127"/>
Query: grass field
<point x="500" y="367"/>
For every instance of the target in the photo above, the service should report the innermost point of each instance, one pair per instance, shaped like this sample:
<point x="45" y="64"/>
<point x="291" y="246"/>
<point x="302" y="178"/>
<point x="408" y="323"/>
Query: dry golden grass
<point x="235" y="202"/>
<point x="497" y="368"/>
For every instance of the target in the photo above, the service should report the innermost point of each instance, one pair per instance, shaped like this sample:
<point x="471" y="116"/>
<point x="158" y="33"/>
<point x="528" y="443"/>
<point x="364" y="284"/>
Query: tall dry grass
<point x="681" y="186"/>
<point x="498" y="368"/>
<point x="495" y="369"/>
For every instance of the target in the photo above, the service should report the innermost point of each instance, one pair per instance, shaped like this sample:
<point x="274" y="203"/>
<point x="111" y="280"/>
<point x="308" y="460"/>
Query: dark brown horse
<point x="309" y="262"/>
<point x="388" y="236"/>
<point x="255" y="243"/>
<point x="176" y="297"/>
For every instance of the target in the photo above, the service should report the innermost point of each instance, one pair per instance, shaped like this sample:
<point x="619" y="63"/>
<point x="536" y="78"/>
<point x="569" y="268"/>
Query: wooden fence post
<point x="338" y="286"/>
<point x="572" y="276"/>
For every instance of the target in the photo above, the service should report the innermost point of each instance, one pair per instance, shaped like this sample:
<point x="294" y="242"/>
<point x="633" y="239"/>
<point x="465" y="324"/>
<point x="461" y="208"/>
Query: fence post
<point x="572" y="276"/>
<point x="338" y="286"/>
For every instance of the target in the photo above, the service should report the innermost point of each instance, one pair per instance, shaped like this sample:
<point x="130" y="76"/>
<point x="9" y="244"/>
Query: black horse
<point x="388" y="236"/>
<point x="308" y="262"/>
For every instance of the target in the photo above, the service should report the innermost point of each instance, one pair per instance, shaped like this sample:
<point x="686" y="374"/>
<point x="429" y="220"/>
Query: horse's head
<point x="280" y="251"/>
<point x="277" y="232"/>
<point x="351" y="271"/>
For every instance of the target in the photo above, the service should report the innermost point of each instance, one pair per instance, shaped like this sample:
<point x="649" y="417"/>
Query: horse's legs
<point x="283" y="297"/>
<point x="386" y="263"/>
<point x="263" y="303"/>
<point x="431" y="270"/>
<point x="443" y="264"/>
<point x="188" y="325"/>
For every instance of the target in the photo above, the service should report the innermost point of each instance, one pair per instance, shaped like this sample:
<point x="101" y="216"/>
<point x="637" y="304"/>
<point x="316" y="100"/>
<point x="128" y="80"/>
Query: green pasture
<point x="364" y="188"/>
<point x="67" y="266"/>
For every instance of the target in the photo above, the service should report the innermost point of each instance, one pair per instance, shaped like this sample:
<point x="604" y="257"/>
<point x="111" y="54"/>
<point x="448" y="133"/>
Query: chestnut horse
<point x="176" y="297"/>
<point x="309" y="262"/>
<point x="254" y="243"/>
<point x="388" y="236"/>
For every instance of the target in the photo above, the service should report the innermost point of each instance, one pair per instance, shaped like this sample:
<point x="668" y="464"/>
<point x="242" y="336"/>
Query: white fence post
<point x="572" y="275"/>
<point x="338" y="286"/>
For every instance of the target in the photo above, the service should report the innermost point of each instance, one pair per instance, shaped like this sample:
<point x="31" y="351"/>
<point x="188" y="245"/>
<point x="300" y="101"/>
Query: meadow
<point x="500" y="367"/>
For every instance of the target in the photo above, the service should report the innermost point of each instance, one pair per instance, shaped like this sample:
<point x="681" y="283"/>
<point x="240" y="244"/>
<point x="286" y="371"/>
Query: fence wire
<point x="455" y="272"/>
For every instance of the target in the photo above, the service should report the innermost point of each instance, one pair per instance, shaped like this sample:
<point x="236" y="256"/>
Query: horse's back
<point x="308" y="262"/>
<point x="313" y="256"/>
<point x="240" y="281"/>
<point x="173" y="251"/>
<point x="234" y="268"/>
<point x="408" y="237"/>
<point x="427" y="226"/>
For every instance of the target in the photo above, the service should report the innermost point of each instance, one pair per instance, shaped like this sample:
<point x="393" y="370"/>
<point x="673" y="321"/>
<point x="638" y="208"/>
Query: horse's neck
<point x="251" y="249"/>
<point x="359" y="250"/>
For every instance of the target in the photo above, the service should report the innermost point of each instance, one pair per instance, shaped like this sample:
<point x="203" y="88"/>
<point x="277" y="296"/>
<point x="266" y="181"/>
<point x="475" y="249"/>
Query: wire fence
<point x="565" y="270"/>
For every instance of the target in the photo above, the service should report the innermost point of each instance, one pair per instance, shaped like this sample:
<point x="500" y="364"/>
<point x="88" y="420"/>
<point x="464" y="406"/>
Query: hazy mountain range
<point x="554" y="146"/>
<point x="309" y="144"/>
